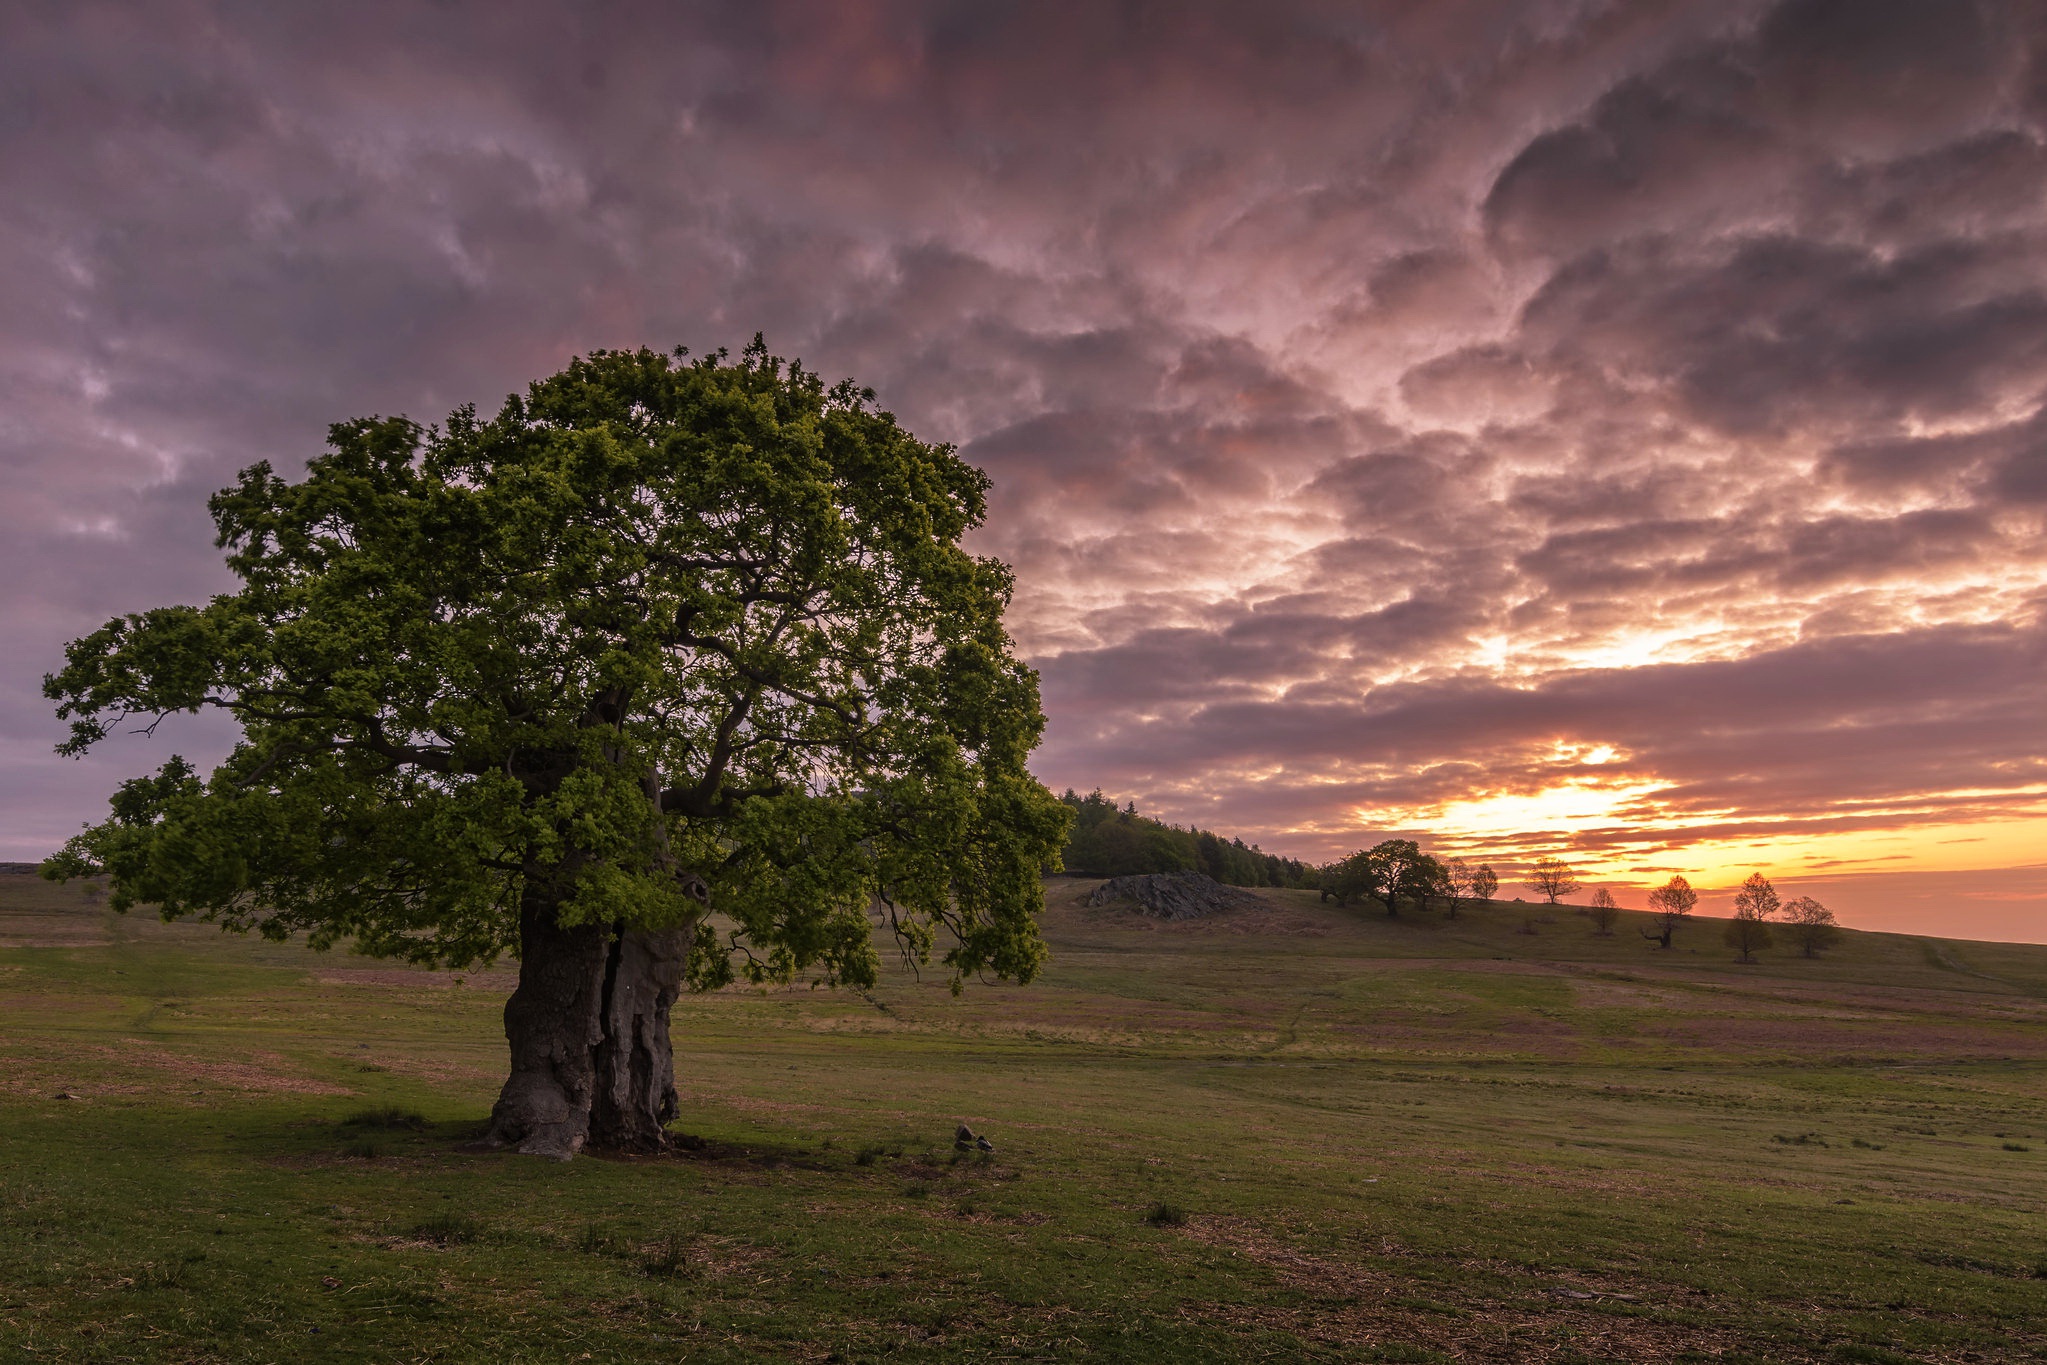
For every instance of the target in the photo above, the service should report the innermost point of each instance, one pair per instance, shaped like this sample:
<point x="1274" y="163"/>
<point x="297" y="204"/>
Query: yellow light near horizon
<point x="1570" y="806"/>
<point x="1959" y="847"/>
<point x="1634" y="842"/>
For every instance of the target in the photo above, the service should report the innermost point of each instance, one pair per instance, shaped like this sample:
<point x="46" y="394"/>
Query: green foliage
<point x="657" y="632"/>
<point x="1111" y="842"/>
<point x="1389" y="871"/>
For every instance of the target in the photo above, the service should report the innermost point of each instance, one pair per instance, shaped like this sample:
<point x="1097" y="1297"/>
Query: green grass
<point x="1296" y="1134"/>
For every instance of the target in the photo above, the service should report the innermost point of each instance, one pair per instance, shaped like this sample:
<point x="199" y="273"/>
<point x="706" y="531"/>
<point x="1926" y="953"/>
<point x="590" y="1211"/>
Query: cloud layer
<point x="1539" y="423"/>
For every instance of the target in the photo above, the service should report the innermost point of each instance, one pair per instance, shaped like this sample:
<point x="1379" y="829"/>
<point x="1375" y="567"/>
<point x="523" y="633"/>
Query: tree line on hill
<point x="1397" y="870"/>
<point x="1108" y="841"/>
<point x="1111" y="841"/>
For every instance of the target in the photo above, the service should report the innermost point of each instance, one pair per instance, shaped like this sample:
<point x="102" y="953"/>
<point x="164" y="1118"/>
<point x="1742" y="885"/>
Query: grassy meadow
<point x="1291" y="1133"/>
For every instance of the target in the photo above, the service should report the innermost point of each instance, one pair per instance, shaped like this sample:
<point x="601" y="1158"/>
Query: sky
<point x="1536" y="426"/>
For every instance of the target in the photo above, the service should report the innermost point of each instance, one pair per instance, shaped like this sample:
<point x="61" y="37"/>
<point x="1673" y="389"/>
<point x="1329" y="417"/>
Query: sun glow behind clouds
<point x="1617" y="833"/>
<point x="1578" y="805"/>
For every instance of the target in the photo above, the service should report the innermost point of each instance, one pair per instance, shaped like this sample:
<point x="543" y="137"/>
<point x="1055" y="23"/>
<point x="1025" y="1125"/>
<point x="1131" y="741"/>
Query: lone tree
<point x="1672" y="904"/>
<point x="1484" y="881"/>
<point x="1810" y="924"/>
<point x="1605" y="912"/>
<point x="670" y="671"/>
<point x="1552" y="879"/>
<point x="1749" y="930"/>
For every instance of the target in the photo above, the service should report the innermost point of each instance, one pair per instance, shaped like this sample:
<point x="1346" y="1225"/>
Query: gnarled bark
<point x="588" y="1025"/>
<point x="634" y="1099"/>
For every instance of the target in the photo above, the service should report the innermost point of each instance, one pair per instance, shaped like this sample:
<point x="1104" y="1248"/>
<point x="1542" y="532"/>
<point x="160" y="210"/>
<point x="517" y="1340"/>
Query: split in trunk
<point x="592" y="1065"/>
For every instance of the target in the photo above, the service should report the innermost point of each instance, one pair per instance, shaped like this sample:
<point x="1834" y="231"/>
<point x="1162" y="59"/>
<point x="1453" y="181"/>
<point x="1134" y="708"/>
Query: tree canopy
<point x="661" y="635"/>
<point x="1396" y="869"/>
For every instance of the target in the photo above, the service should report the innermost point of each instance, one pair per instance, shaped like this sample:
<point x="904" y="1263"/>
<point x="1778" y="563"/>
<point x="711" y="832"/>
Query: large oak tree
<point x="670" y="672"/>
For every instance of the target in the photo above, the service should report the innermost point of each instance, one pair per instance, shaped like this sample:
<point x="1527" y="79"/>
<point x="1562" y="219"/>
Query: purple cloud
<point x="1377" y="398"/>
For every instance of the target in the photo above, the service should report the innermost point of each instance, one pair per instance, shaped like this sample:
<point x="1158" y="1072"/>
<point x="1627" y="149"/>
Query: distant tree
<point x="1810" y="924"/>
<point x="1484" y="881"/>
<point x="1757" y="898"/>
<point x="1348" y="878"/>
<point x="1393" y="865"/>
<point x="661" y="641"/>
<point x="1429" y="878"/>
<point x="1456" y="886"/>
<point x="1747" y="931"/>
<point x="1672" y="903"/>
<point x="1552" y="879"/>
<point x="1605" y="912"/>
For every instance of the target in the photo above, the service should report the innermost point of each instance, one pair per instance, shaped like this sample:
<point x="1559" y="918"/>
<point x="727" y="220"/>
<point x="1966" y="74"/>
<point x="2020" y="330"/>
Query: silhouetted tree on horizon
<point x="1552" y="878"/>
<point x="1605" y="910"/>
<point x="1749" y="930"/>
<point x="1484" y="882"/>
<point x="1458" y="879"/>
<point x="1672" y="903"/>
<point x="1810" y="924"/>
<point x="1393" y="866"/>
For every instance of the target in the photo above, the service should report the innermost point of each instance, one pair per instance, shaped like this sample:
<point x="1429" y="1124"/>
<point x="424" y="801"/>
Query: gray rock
<point x="1173" y="895"/>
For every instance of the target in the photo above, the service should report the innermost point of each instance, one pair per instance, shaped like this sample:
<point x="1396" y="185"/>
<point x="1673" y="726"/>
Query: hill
<point x="1111" y="841"/>
<point x="1290" y="1132"/>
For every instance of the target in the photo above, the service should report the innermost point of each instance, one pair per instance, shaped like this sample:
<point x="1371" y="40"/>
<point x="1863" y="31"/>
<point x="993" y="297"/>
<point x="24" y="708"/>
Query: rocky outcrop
<point x="1173" y="895"/>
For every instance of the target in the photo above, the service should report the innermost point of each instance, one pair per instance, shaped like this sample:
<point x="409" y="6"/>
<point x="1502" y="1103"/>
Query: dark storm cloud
<point x="1378" y="396"/>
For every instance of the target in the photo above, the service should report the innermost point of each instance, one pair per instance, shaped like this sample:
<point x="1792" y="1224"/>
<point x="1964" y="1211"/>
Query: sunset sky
<point x="1534" y="426"/>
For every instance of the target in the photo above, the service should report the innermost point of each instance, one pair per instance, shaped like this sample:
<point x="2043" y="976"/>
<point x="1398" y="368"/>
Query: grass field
<point x="1296" y="1133"/>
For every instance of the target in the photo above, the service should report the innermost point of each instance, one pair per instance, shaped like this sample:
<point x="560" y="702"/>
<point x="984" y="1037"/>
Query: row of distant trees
<point x="1111" y="841"/>
<point x="1806" y="922"/>
<point x="1398" y="870"/>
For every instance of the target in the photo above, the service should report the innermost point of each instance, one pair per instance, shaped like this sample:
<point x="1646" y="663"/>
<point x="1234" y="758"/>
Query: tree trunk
<point x="588" y="1026"/>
